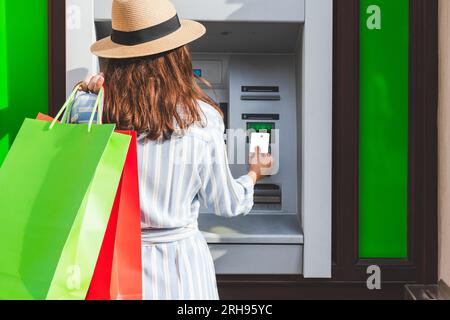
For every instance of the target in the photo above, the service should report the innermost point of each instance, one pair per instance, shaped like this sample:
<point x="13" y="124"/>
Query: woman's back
<point x="178" y="175"/>
<point x="152" y="89"/>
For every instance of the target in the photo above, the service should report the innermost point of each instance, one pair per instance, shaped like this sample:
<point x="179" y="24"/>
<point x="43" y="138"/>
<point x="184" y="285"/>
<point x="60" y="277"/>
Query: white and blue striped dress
<point x="176" y="177"/>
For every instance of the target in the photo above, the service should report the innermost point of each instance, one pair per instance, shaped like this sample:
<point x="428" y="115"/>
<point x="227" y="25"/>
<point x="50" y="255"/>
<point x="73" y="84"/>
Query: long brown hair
<point x="154" y="95"/>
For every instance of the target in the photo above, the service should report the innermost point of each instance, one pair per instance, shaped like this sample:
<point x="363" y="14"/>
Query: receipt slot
<point x="270" y="67"/>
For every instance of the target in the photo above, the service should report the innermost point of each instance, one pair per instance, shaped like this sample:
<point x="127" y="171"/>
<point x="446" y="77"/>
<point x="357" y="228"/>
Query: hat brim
<point x="188" y="32"/>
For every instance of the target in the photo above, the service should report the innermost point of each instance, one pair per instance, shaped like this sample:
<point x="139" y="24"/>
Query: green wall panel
<point x="23" y="65"/>
<point x="4" y="137"/>
<point x="3" y="66"/>
<point x="383" y="171"/>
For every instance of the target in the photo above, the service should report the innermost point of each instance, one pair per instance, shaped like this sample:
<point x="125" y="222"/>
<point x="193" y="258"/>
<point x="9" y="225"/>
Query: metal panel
<point x="317" y="137"/>
<point x="227" y="10"/>
<point x="248" y="37"/>
<point x="267" y="70"/>
<point x="251" y="229"/>
<point x="257" y="259"/>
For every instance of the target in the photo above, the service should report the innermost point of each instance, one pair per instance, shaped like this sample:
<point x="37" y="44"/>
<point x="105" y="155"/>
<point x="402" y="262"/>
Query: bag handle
<point x="99" y="104"/>
<point x="67" y="108"/>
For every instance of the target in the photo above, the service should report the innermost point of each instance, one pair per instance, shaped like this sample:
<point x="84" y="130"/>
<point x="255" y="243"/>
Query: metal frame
<point x="56" y="55"/>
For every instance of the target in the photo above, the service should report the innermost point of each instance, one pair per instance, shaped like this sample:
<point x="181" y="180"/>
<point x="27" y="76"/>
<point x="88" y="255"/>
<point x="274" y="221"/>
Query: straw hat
<point x="145" y="27"/>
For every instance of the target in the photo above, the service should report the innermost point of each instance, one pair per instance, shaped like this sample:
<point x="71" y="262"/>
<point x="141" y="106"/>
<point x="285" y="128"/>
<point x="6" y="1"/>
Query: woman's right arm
<point x="222" y="193"/>
<point x="258" y="163"/>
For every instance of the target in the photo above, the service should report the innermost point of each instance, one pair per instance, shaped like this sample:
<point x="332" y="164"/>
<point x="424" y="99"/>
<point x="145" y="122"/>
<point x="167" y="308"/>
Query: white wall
<point x="444" y="141"/>
<point x="79" y="37"/>
<point x="227" y="10"/>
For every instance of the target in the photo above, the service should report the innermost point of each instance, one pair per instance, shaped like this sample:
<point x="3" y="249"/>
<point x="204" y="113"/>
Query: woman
<point x="150" y="88"/>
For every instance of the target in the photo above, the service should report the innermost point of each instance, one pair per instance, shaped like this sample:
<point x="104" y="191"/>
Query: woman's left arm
<point x="92" y="83"/>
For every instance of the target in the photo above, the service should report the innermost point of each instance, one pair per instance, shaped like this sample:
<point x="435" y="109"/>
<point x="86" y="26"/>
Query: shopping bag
<point x="100" y="286"/>
<point x="79" y="257"/>
<point x="118" y="274"/>
<point x="126" y="281"/>
<point x="51" y="189"/>
<point x="102" y="273"/>
<point x="83" y="246"/>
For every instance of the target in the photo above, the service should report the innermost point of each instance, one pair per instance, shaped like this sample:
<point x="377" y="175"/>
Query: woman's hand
<point x="93" y="83"/>
<point x="258" y="164"/>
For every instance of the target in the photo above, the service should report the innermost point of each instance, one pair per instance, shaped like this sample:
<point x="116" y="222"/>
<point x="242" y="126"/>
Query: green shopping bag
<point x="57" y="187"/>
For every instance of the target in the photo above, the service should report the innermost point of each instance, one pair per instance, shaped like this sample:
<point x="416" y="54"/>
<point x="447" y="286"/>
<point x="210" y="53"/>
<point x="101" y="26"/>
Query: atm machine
<point x="270" y="67"/>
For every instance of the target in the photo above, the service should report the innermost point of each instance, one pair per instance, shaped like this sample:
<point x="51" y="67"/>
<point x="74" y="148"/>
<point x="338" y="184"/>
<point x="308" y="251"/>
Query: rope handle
<point x="67" y="108"/>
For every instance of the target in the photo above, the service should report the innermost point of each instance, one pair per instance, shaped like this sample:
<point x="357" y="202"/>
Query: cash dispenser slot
<point x="267" y="193"/>
<point x="260" y="89"/>
<point x="246" y="97"/>
<point x="260" y="116"/>
<point x="260" y="97"/>
<point x="267" y="197"/>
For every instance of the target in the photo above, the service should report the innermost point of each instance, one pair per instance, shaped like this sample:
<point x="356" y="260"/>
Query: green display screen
<point x="383" y="157"/>
<point x="261" y="126"/>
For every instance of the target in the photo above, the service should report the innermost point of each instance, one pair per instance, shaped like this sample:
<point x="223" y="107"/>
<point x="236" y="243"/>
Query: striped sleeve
<point x="220" y="192"/>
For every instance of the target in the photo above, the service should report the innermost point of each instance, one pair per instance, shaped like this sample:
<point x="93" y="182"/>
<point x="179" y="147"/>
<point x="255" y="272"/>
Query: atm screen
<point x="261" y="126"/>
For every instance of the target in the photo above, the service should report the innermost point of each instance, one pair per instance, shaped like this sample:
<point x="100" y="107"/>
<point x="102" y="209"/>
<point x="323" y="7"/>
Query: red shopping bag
<point x="126" y="280"/>
<point x="118" y="272"/>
